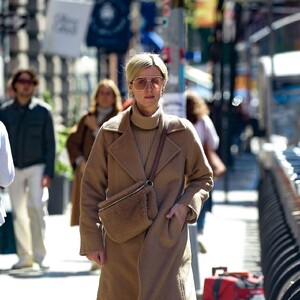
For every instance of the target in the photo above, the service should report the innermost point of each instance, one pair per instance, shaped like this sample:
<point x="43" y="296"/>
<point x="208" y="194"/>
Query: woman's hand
<point x="91" y="122"/>
<point x="98" y="257"/>
<point x="180" y="211"/>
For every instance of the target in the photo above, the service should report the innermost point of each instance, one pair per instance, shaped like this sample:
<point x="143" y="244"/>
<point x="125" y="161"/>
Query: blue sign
<point x="151" y="41"/>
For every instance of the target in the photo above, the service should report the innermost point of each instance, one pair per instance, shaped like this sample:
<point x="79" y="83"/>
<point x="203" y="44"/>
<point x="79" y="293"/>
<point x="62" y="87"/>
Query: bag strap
<point x="159" y="151"/>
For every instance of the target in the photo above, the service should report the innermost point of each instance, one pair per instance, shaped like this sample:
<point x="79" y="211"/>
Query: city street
<point x="241" y="57"/>
<point x="231" y="238"/>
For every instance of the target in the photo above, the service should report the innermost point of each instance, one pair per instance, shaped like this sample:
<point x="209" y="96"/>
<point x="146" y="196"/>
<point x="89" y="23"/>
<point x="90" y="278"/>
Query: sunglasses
<point x="140" y="83"/>
<point x="105" y="93"/>
<point x="26" y="81"/>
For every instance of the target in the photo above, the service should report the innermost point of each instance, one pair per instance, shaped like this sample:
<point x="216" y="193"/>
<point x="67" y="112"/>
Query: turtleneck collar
<point x="104" y="111"/>
<point x="143" y="122"/>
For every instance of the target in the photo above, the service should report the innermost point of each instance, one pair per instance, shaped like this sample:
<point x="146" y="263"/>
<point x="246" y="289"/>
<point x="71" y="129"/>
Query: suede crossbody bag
<point x="131" y="211"/>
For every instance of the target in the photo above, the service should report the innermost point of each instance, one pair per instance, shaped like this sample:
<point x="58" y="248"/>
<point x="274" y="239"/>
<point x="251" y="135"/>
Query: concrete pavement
<point x="231" y="235"/>
<point x="231" y="238"/>
<point x="68" y="276"/>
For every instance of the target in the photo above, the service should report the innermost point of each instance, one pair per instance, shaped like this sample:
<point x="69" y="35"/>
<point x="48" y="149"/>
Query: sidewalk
<point x="231" y="234"/>
<point x="68" y="277"/>
<point x="231" y="238"/>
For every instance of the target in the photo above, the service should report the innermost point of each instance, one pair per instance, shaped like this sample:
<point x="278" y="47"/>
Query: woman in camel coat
<point x="106" y="103"/>
<point x="156" y="264"/>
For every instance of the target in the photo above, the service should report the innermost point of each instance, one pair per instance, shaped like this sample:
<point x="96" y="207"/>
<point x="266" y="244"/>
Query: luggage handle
<point x="215" y="269"/>
<point x="225" y="271"/>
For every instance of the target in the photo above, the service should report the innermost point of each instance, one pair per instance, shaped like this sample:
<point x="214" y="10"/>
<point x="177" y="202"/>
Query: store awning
<point x="199" y="81"/>
<point x="198" y="76"/>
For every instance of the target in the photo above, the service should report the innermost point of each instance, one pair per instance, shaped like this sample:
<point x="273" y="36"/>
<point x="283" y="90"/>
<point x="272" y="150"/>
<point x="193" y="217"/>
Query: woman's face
<point x="105" y="97"/>
<point x="147" y="88"/>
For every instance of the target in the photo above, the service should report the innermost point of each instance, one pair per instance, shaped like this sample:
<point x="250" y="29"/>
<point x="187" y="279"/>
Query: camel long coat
<point x="155" y="265"/>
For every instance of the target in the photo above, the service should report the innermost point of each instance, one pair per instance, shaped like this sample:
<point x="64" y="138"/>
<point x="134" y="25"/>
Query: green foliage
<point x="62" y="165"/>
<point x="75" y="113"/>
<point x="48" y="98"/>
<point x="189" y="11"/>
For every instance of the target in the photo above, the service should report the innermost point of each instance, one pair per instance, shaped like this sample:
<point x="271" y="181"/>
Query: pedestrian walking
<point x="197" y="113"/>
<point x="31" y="133"/>
<point x="7" y="170"/>
<point x="147" y="255"/>
<point x="106" y="103"/>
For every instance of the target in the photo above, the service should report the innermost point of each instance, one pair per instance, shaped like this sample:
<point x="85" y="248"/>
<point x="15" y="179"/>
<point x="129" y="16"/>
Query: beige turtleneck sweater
<point x="144" y="130"/>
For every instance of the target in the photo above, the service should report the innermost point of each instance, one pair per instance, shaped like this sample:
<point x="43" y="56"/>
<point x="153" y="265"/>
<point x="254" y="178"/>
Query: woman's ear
<point x="130" y="90"/>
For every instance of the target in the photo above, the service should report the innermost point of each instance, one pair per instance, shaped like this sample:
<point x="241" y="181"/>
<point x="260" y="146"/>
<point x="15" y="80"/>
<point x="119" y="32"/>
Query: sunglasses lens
<point x="105" y="93"/>
<point x="25" y="81"/>
<point x="156" y="82"/>
<point x="140" y="83"/>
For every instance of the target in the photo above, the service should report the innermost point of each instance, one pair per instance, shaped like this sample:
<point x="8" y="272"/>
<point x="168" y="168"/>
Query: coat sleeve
<point x="75" y="141"/>
<point x="50" y="144"/>
<point x="198" y="174"/>
<point x="93" y="190"/>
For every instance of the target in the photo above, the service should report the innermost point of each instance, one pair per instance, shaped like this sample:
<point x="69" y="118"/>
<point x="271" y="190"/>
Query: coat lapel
<point x="170" y="149"/>
<point x="126" y="153"/>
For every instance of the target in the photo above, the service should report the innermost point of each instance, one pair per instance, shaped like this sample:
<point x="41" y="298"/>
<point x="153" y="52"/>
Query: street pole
<point x="4" y="51"/>
<point x="173" y="99"/>
<point x="98" y="64"/>
<point x="271" y="41"/>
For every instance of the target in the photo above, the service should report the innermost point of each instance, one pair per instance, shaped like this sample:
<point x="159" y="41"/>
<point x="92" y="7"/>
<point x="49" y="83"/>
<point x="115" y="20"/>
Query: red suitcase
<point x="232" y="286"/>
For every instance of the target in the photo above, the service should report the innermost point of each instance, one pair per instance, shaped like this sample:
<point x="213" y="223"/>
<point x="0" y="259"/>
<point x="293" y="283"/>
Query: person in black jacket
<point x="31" y="133"/>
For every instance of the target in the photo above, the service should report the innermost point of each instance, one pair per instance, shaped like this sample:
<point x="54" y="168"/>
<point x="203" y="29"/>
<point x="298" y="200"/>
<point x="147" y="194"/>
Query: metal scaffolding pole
<point x="174" y="102"/>
<point x="174" y="98"/>
<point x="3" y="48"/>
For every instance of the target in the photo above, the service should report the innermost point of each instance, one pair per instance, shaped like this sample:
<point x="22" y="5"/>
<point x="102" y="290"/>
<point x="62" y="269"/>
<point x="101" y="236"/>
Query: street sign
<point x="109" y="27"/>
<point x="11" y="21"/>
<point x="67" y="22"/>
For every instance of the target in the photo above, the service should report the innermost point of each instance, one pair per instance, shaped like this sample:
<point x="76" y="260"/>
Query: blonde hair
<point x="142" y="61"/>
<point x="108" y="83"/>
